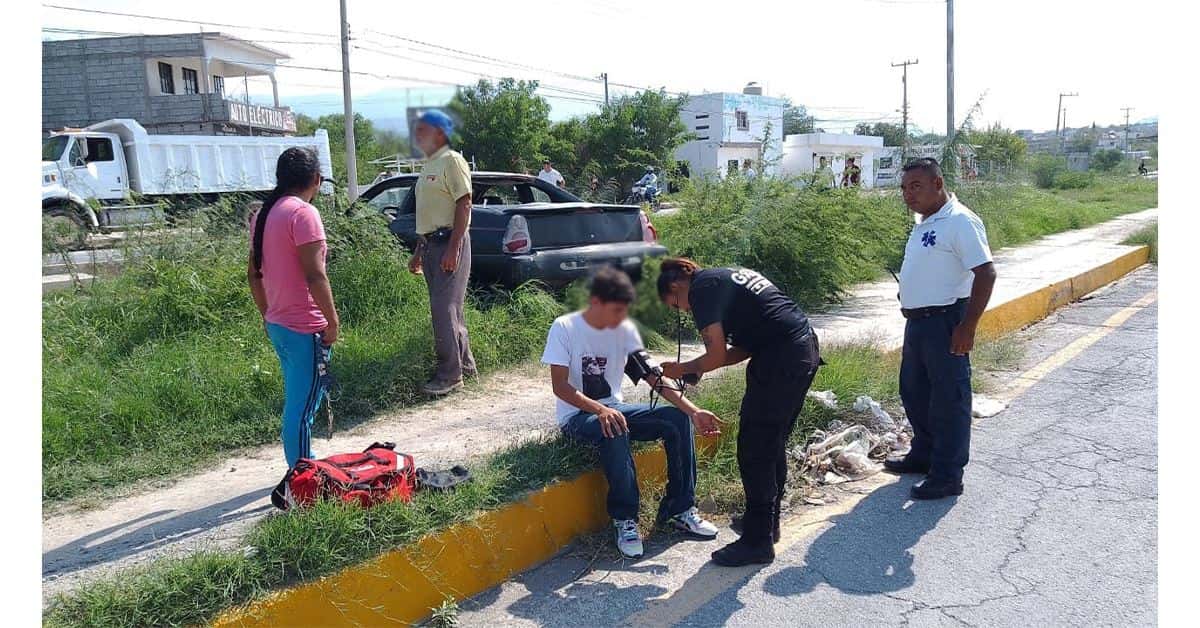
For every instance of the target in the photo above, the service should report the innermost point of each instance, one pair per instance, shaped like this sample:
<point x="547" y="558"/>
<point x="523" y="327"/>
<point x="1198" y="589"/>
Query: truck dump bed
<point x="205" y="164"/>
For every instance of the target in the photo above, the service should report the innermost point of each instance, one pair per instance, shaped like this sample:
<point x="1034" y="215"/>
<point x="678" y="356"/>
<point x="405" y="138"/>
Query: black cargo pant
<point x="935" y="387"/>
<point x="777" y="380"/>
<point x="447" y="293"/>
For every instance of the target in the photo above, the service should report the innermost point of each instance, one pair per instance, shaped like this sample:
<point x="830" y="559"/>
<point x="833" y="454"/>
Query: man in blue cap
<point x="443" y="252"/>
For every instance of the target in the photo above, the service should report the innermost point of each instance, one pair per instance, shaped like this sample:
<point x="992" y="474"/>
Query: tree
<point x="1107" y="160"/>
<point x="796" y="119"/>
<point x="997" y="146"/>
<point x="892" y="134"/>
<point x="366" y="146"/>
<point x="633" y="132"/>
<point x="1084" y="140"/>
<point x="391" y="142"/>
<point x="503" y="126"/>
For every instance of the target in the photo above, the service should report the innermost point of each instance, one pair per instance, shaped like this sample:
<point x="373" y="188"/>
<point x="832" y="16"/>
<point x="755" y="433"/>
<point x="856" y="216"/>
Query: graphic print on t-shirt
<point x="595" y="386"/>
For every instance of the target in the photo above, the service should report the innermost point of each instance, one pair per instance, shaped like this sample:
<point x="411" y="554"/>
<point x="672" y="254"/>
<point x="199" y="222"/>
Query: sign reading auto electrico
<point x="261" y="117"/>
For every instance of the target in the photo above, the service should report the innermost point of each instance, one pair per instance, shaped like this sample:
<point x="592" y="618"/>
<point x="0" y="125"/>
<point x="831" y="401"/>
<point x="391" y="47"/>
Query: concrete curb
<point x="1032" y="307"/>
<point x="402" y="586"/>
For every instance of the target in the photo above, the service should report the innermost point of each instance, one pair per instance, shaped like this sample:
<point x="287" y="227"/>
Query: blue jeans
<point x="302" y="391"/>
<point x="935" y="387"/>
<point x="667" y="423"/>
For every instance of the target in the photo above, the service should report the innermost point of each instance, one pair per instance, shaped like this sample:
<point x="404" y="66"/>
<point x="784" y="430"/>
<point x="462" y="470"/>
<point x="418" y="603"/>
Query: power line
<point x="574" y="94"/>
<point x="184" y="21"/>
<point x="577" y="77"/>
<point x="567" y="90"/>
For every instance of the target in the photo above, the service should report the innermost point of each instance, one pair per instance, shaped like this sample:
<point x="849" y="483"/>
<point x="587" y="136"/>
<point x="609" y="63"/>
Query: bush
<point x="1073" y="180"/>
<point x="1107" y="160"/>
<point x="812" y="244"/>
<point x="1045" y="169"/>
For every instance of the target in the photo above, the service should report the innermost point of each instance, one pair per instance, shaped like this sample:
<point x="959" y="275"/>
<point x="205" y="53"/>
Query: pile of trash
<point x="853" y="448"/>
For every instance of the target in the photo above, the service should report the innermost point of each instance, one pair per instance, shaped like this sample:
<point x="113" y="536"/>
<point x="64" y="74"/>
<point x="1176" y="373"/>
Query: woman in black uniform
<point x="740" y="315"/>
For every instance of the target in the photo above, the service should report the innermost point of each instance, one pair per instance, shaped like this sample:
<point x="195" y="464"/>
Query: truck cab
<point x="84" y="164"/>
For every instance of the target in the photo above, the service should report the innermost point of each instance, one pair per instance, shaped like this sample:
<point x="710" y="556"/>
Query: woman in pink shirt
<point x="288" y="281"/>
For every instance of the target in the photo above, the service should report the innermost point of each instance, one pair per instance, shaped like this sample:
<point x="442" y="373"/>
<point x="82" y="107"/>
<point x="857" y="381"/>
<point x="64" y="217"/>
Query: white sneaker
<point x="691" y="522"/>
<point x="628" y="539"/>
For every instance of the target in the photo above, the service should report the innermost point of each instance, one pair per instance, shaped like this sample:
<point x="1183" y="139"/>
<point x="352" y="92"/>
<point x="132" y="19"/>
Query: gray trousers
<point x="447" y="292"/>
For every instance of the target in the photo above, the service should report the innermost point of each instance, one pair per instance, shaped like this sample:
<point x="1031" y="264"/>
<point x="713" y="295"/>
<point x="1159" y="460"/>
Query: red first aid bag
<point x="376" y="475"/>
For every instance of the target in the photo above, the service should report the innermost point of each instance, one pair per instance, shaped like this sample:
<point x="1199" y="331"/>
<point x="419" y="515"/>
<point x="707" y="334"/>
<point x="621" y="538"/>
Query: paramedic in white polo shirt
<point x="945" y="283"/>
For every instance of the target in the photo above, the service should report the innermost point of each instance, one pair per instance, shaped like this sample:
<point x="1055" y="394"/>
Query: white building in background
<point x="802" y="154"/>
<point x="729" y="129"/>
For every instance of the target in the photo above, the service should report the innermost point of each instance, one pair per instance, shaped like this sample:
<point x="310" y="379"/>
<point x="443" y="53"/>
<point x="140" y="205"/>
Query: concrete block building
<point x="170" y="84"/>
<point x="729" y="128"/>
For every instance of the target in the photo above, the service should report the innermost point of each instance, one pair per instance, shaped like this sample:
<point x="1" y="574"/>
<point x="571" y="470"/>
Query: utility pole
<point x="904" y="107"/>
<point x="348" y="110"/>
<point x="1127" y="110"/>
<point x="604" y="75"/>
<point x="949" y="71"/>
<point x="1060" y="118"/>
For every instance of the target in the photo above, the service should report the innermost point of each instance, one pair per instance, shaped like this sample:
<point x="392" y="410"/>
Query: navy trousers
<point x="935" y="387"/>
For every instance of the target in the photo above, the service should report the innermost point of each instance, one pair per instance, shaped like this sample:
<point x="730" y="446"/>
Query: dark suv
<point x="524" y="228"/>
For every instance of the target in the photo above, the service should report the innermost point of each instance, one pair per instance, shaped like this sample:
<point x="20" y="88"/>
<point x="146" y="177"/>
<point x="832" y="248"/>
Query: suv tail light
<point x="649" y="233"/>
<point x="516" y="236"/>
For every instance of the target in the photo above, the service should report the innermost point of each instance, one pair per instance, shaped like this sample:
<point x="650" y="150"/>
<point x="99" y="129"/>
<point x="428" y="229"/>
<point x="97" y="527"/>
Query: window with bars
<point x="166" y="78"/>
<point x="218" y="84"/>
<point x="743" y="120"/>
<point x="191" y="83"/>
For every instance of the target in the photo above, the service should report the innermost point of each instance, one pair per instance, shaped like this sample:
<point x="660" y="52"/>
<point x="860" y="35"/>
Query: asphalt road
<point x="1057" y="526"/>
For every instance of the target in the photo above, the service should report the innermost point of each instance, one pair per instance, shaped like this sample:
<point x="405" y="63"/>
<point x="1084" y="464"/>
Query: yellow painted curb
<point x="1032" y="307"/>
<point x="401" y="587"/>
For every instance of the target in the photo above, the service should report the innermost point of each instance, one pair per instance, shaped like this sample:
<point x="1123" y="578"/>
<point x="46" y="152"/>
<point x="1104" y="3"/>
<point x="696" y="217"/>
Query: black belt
<point x="934" y="310"/>
<point x="439" y="235"/>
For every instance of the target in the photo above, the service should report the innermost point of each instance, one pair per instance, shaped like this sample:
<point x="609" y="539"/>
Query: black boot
<point x="744" y="552"/>
<point x="736" y="525"/>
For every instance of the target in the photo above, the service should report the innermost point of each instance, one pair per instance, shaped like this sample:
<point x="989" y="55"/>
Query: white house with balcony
<point x="729" y="129"/>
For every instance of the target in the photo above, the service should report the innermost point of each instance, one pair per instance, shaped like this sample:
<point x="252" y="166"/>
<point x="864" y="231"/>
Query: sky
<point x="1013" y="56"/>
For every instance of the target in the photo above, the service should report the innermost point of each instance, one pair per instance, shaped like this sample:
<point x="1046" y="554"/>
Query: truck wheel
<point x="63" y="228"/>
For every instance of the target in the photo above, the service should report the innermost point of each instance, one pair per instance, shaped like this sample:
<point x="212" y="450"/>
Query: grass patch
<point x="168" y="362"/>
<point x="1015" y="214"/>
<point x="1146" y="237"/>
<point x="850" y="371"/>
<point x="816" y="244"/>
<point x="297" y="546"/>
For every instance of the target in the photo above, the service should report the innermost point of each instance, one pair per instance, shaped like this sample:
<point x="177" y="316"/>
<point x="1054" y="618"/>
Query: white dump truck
<point x="91" y="176"/>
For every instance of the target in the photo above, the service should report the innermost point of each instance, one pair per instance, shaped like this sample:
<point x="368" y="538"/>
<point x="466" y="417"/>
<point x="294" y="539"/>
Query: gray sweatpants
<point x="447" y="292"/>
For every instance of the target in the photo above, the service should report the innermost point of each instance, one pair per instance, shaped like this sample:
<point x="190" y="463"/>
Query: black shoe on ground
<point x="735" y="524"/>
<point x="742" y="552"/>
<point x="904" y="465"/>
<point x="936" y="489"/>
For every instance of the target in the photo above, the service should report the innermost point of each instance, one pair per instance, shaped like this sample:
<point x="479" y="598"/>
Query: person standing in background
<point x="443" y="252"/>
<point x="550" y="175"/>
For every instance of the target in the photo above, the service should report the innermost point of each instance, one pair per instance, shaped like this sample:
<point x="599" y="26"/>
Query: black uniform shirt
<point x="752" y="311"/>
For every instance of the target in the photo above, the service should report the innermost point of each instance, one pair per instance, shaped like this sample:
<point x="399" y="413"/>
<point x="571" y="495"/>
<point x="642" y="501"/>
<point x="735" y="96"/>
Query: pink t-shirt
<point x="291" y="223"/>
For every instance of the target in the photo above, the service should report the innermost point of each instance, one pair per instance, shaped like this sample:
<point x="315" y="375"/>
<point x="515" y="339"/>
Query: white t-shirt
<point x="553" y="177"/>
<point x="941" y="251"/>
<point x="595" y="358"/>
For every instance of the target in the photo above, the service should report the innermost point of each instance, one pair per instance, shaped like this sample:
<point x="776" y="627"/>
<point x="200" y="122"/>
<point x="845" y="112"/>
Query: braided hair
<point x="294" y="171"/>
<point x="673" y="269"/>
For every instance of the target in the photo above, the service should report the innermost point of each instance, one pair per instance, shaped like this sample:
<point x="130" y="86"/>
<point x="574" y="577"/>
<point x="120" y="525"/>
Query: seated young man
<point x="587" y="352"/>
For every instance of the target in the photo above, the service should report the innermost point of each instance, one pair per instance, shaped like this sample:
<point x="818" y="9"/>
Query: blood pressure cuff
<point x="639" y="365"/>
